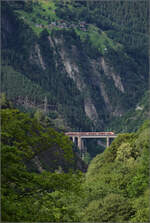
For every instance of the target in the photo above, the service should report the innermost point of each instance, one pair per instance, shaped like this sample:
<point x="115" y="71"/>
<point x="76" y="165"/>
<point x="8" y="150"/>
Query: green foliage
<point x="134" y="118"/>
<point x="19" y="130"/>
<point x="48" y="193"/>
<point x="141" y="206"/>
<point x="20" y="89"/>
<point x="114" y="189"/>
<point x="113" y="207"/>
<point x="117" y="181"/>
<point x="38" y="115"/>
<point x="127" y="153"/>
<point x="4" y="103"/>
<point x="122" y="138"/>
<point x="87" y="158"/>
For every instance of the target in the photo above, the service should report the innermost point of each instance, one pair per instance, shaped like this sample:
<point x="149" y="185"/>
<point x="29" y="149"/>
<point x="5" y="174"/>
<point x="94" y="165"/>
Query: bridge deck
<point x="91" y="134"/>
<point x="98" y="136"/>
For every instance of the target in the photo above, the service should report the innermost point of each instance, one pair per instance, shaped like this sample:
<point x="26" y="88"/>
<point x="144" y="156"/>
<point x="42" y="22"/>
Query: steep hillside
<point x="117" y="181"/>
<point x="76" y="61"/>
<point x="40" y="183"/>
<point x="134" y="117"/>
<point x="42" y="148"/>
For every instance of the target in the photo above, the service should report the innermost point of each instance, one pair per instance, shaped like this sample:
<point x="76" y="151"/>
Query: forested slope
<point x="117" y="181"/>
<point x="48" y="188"/>
<point x="84" y="64"/>
<point x="39" y="165"/>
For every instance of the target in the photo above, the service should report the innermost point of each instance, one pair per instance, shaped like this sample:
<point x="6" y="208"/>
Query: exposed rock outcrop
<point x="108" y="70"/>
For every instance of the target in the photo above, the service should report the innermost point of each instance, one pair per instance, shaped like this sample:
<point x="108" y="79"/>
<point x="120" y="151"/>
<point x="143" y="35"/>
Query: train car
<point x="90" y="133"/>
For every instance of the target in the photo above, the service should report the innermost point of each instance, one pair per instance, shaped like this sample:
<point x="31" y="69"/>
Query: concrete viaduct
<point x="85" y="135"/>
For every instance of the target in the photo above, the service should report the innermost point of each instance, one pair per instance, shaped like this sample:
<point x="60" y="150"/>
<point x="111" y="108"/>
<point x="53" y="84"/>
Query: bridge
<point x="79" y="136"/>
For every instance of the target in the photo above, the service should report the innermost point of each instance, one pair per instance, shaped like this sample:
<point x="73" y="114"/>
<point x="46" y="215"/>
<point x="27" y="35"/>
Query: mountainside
<point x="83" y="64"/>
<point x="42" y="148"/>
<point x="117" y="181"/>
<point x="74" y="65"/>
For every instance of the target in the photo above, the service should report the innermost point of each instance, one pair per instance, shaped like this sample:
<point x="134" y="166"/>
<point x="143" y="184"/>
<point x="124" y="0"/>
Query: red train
<point x="89" y="133"/>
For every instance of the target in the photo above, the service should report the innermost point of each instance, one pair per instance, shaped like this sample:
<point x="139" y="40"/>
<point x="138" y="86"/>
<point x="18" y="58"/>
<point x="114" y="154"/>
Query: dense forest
<point x="74" y="65"/>
<point x="115" y="187"/>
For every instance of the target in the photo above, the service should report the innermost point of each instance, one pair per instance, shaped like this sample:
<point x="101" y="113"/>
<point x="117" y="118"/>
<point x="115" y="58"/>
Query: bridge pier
<point x="107" y="142"/>
<point x="80" y="143"/>
<point x="81" y="146"/>
<point x="73" y="139"/>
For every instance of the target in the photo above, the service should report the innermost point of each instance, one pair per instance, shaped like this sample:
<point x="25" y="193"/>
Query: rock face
<point x="87" y="89"/>
<point x="36" y="57"/>
<point x="109" y="72"/>
<point x="91" y="80"/>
